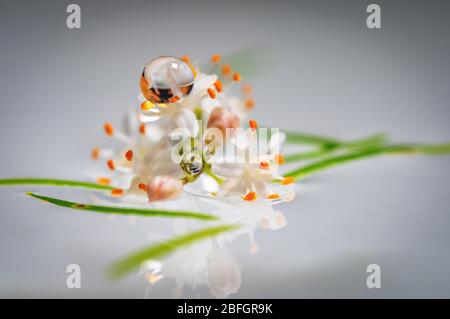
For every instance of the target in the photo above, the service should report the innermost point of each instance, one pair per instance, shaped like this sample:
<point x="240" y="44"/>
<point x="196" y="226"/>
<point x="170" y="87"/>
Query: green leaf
<point x="124" y="210"/>
<point x="133" y="261"/>
<point x="310" y="139"/>
<point x="52" y="182"/>
<point x="376" y="139"/>
<point x="371" y="151"/>
<point x="328" y="146"/>
<point x="302" y="156"/>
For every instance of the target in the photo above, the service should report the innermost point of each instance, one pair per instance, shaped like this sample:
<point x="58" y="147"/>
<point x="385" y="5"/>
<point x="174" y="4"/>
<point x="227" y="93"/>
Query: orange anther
<point x="185" y="59"/>
<point x="236" y="77"/>
<point x="264" y="165"/>
<point x="142" y="187"/>
<point x="216" y="58"/>
<point x="117" y="192"/>
<point x="212" y="93"/>
<point x="287" y="180"/>
<point x="95" y="153"/>
<point x="146" y="105"/>
<point x="111" y="164"/>
<point x="273" y="196"/>
<point x="218" y="85"/>
<point x="174" y="99"/>
<point x="249" y="104"/>
<point x="253" y="124"/>
<point x="251" y="196"/>
<point x="279" y="159"/>
<point x="226" y="69"/>
<point x="109" y="130"/>
<point x="247" y="89"/>
<point x="142" y="128"/>
<point x="103" y="180"/>
<point x="129" y="155"/>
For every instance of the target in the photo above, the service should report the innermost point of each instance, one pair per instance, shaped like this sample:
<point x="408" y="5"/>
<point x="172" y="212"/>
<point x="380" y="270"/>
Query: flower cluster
<point x="192" y="144"/>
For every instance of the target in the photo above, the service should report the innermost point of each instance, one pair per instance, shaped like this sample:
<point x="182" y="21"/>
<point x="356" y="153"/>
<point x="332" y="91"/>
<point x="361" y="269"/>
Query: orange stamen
<point x="111" y="164"/>
<point x="212" y="93"/>
<point x="264" y="165"/>
<point x="218" y="85"/>
<point x="174" y="99"/>
<point x="142" y="187"/>
<point x="236" y="77"/>
<point x="146" y="105"/>
<point x="142" y="128"/>
<point x="103" y="180"/>
<point x="249" y="104"/>
<point x="247" y="89"/>
<point x="186" y="59"/>
<point x="216" y="58"/>
<point x="279" y="159"/>
<point x="117" y="192"/>
<point x="273" y="196"/>
<point x="109" y="130"/>
<point x="251" y="196"/>
<point x="95" y="153"/>
<point x="253" y="124"/>
<point x="287" y="180"/>
<point x="129" y="155"/>
<point x="226" y="69"/>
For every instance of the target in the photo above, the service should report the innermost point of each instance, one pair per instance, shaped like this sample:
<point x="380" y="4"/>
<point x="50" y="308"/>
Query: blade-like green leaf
<point x="331" y="161"/>
<point x="303" y="156"/>
<point x="52" y="182"/>
<point x="327" y="148"/>
<point x="125" y="210"/>
<point x="372" y="140"/>
<point x="310" y="139"/>
<point x="133" y="261"/>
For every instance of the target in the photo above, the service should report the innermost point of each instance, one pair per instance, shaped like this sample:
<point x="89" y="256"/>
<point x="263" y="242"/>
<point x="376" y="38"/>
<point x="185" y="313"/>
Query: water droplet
<point x="166" y="79"/>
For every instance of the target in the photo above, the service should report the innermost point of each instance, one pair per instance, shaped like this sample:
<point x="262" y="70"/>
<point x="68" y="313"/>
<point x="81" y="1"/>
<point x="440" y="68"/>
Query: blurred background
<point x="327" y="74"/>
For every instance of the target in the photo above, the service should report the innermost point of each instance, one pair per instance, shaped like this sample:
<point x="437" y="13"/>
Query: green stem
<point x="310" y="139"/>
<point x="124" y="210"/>
<point x="207" y="170"/>
<point x="52" y="182"/>
<point x="132" y="262"/>
<point x="332" y="161"/>
<point x="302" y="156"/>
<point x="376" y="139"/>
<point x="372" y="140"/>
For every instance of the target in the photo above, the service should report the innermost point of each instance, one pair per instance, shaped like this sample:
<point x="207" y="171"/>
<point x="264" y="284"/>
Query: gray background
<point x="331" y="75"/>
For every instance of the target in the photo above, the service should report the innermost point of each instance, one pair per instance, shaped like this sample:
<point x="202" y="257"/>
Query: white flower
<point x="144" y="167"/>
<point x="252" y="169"/>
<point x="143" y="155"/>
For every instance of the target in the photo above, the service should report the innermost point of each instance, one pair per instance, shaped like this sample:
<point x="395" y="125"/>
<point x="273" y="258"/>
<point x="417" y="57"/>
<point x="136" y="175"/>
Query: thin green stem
<point x="53" y="182"/>
<point x="207" y="170"/>
<point x="133" y="261"/>
<point x="124" y="210"/>
<point x="302" y="156"/>
<point x="361" y="153"/>
<point x="376" y="139"/>
<point x="326" y="149"/>
<point x="310" y="139"/>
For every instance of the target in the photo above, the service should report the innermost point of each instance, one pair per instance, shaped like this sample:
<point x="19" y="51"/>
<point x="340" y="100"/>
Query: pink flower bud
<point x="163" y="188"/>
<point x="222" y="119"/>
